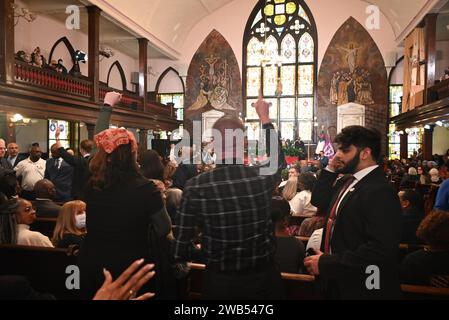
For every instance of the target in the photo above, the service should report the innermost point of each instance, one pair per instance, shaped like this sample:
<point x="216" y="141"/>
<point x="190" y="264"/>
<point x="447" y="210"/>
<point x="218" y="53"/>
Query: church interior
<point x="82" y="80"/>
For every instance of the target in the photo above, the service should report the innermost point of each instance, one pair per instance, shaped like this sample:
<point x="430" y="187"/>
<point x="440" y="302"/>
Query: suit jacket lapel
<point x="372" y="175"/>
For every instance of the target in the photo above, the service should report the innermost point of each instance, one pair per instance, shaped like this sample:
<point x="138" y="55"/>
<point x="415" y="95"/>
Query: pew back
<point x="45" y="268"/>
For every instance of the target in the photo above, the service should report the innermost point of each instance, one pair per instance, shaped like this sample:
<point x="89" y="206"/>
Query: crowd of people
<point x="119" y="205"/>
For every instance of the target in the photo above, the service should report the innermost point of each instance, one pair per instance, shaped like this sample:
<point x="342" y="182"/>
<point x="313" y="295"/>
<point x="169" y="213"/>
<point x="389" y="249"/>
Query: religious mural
<point x="353" y="83"/>
<point x="353" y="71"/>
<point x="213" y="80"/>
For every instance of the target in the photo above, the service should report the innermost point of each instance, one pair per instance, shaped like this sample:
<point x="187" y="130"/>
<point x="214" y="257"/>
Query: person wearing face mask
<point x="70" y="227"/>
<point x="362" y="229"/>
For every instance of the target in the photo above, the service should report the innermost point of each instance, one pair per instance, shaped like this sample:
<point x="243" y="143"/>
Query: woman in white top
<point x="300" y="201"/>
<point x="25" y="215"/>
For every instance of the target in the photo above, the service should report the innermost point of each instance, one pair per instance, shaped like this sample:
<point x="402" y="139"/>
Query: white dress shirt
<point x="31" y="172"/>
<point x="300" y="204"/>
<point x="26" y="237"/>
<point x="11" y="160"/>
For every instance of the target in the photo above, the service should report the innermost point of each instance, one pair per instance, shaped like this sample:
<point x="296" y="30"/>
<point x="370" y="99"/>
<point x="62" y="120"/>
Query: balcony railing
<point x="48" y="79"/>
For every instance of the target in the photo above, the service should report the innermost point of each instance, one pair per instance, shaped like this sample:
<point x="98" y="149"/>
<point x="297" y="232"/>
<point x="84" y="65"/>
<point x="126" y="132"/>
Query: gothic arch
<point x="122" y="74"/>
<point x="166" y="71"/>
<point x="67" y="44"/>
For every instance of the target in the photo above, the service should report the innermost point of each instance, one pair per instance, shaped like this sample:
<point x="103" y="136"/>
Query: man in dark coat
<point x="362" y="231"/>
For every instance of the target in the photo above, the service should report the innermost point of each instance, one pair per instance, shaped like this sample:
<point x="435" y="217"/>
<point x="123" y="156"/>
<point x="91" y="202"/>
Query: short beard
<point x="351" y="166"/>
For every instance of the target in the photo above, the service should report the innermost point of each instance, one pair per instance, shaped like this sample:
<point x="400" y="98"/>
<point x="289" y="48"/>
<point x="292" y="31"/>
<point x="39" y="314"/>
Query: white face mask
<point x="80" y="220"/>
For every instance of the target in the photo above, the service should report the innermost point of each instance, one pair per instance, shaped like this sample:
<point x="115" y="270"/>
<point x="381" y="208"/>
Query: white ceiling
<point x="167" y="23"/>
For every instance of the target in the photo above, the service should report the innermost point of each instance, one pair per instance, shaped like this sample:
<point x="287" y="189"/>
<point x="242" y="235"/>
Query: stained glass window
<point x="305" y="79"/>
<point x="306" y="48"/>
<point x="305" y="130"/>
<point x="178" y="103"/>
<point x="288" y="80"/>
<point x="280" y="60"/>
<point x="287" y="130"/>
<point x="270" y="75"/>
<point x="288" y="108"/>
<point x="288" y="49"/>
<point x="253" y="52"/>
<point x="253" y="82"/>
<point x="251" y="113"/>
<point x="305" y="108"/>
<point x="396" y="92"/>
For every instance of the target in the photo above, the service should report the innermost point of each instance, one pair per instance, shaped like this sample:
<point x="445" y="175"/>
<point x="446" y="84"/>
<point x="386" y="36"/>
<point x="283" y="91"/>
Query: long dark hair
<point x="151" y="165"/>
<point x="8" y="231"/>
<point x="117" y="169"/>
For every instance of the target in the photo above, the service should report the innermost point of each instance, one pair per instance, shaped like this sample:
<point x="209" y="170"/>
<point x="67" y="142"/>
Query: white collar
<point x="363" y="173"/>
<point x="22" y="226"/>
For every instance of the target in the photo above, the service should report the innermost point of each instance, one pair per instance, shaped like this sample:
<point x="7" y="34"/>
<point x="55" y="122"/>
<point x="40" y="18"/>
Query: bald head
<point x="2" y="148"/>
<point x="45" y="189"/>
<point x="35" y="153"/>
<point x="13" y="149"/>
<point x="229" y="137"/>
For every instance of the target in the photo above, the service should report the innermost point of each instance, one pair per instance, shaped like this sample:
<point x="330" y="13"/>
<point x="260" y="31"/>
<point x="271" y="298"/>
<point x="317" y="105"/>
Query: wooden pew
<point x="296" y="286"/>
<point x="413" y="292"/>
<point x="46" y="226"/>
<point x="303" y="287"/>
<point x="45" y="268"/>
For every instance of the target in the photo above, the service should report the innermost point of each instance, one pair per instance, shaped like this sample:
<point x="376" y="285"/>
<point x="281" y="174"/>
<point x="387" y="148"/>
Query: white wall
<point x="231" y="19"/>
<point x="442" y="61"/>
<point x="329" y="15"/>
<point x="35" y="131"/>
<point x="28" y="36"/>
<point x="397" y="77"/>
<point x="158" y="66"/>
<point x="440" y="140"/>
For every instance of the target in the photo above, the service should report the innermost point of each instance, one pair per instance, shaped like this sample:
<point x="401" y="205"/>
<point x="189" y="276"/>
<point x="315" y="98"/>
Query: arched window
<point x="279" y="58"/>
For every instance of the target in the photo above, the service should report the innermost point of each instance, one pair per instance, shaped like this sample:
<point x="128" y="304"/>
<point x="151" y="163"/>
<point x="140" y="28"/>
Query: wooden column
<point x="143" y="136"/>
<point x="143" y="67"/>
<point x="428" y="143"/>
<point x="94" y="51"/>
<point x="90" y="131"/>
<point x="6" y="41"/>
<point x="430" y="39"/>
<point x="404" y="146"/>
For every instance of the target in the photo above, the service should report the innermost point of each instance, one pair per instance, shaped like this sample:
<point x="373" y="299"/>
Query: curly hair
<point x="361" y="138"/>
<point x="307" y="180"/>
<point x="434" y="230"/>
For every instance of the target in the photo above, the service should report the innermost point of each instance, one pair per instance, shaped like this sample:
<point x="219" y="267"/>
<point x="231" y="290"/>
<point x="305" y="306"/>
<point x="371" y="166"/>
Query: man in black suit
<point x="45" y="192"/>
<point x="80" y="166"/>
<point x="13" y="154"/>
<point x="60" y="173"/>
<point x="362" y="231"/>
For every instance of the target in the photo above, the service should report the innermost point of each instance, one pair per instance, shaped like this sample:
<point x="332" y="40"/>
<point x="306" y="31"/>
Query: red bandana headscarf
<point x="111" y="139"/>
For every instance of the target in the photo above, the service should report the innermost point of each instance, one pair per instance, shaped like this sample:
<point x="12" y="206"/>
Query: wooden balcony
<point x="40" y="92"/>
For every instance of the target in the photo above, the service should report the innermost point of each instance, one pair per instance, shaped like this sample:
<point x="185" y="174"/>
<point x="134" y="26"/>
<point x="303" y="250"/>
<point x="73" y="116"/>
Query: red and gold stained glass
<point x="253" y="81"/>
<point x="305" y="79"/>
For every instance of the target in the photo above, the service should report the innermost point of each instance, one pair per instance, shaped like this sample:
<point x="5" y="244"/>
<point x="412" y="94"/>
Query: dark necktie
<point x="331" y="219"/>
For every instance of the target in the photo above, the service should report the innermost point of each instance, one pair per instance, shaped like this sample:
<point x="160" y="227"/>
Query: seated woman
<point x="25" y="216"/>
<point x="289" y="250"/>
<point x="435" y="176"/>
<point x="300" y="203"/>
<point x="410" y="179"/>
<point x="70" y="227"/>
<point x="426" y="266"/>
